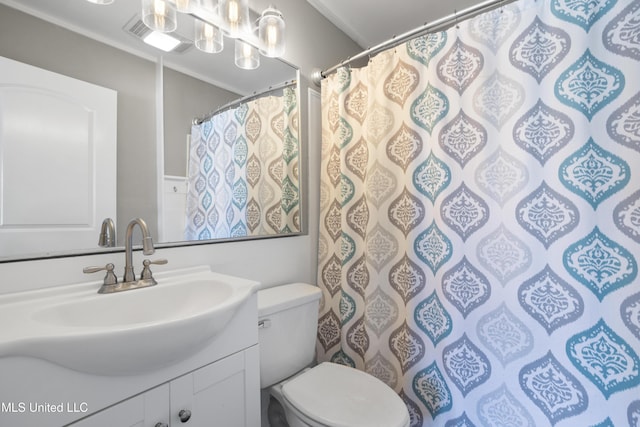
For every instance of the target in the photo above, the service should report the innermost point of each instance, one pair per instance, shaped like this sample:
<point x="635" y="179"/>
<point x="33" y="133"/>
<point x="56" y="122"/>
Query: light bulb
<point x="183" y="6"/>
<point x="271" y="32"/>
<point x="235" y="16"/>
<point x="159" y="15"/>
<point x="208" y="38"/>
<point x="233" y="13"/>
<point x="246" y="56"/>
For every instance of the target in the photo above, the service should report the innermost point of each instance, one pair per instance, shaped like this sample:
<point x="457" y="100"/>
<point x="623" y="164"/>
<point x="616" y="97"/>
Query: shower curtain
<point x="480" y="218"/>
<point x="243" y="171"/>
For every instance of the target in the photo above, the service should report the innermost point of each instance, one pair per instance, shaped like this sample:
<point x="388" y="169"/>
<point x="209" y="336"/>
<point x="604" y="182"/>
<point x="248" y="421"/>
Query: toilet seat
<point x="333" y="395"/>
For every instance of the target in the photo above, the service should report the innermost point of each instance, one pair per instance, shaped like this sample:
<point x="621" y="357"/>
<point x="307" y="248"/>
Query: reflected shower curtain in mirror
<point x="243" y="171"/>
<point x="479" y="225"/>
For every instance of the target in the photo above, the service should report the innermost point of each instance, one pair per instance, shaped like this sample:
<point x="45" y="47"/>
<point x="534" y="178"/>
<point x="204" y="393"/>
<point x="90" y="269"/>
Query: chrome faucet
<point x="147" y="247"/>
<point x="107" y="237"/>
<point x="110" y="283"/>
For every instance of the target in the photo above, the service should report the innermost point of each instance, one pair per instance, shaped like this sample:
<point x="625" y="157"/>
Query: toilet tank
<point x="288" y="323"/>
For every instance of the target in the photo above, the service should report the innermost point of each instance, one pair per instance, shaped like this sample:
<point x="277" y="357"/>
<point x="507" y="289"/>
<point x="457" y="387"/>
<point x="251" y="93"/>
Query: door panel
<point x="57" y="160"/>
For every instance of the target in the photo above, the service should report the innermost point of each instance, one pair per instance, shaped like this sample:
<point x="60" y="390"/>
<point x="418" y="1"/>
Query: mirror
<point x="175" y="87"/>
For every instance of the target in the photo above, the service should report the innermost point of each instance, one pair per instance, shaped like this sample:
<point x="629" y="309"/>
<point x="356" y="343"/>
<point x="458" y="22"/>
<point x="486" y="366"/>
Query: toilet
<point x="325" y="395"/>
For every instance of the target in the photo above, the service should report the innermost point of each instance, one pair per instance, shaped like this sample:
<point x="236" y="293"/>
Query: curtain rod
<point x="254" y="95"/>
<point x="429" y="27"/>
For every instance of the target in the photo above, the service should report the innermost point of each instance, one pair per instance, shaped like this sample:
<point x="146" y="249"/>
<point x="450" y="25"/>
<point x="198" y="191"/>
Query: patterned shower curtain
<point x="480" y="218"/>
<point x="243" y="171"/>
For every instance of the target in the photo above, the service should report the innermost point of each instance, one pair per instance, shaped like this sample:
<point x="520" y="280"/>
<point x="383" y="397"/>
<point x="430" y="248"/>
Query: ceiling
<point x="370" y="22"/>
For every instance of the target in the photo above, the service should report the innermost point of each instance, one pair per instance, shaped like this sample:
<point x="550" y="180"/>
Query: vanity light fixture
<point x="255" y="33"/>
<point x="208" y="38"/>
<point x="271" y="32"/>
<point x="229" y="17"/>
<point x="159" y="15"/>
<point x="161" y="41"/>
<point x="235" y="17"/>
<point x="246" y="56"/>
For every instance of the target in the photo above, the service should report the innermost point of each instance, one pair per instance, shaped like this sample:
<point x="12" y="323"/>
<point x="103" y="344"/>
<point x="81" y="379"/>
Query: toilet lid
<point x="339" y="396"/>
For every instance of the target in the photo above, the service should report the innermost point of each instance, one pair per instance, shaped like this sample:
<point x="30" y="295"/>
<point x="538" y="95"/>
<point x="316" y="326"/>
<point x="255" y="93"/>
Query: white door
<point x="57" y="160"/>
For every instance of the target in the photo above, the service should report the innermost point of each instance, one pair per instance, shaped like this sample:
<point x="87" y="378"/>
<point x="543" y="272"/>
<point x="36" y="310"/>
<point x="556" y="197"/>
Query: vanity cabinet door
<point x="225" y="393"/>
<point x="149" y="409"/>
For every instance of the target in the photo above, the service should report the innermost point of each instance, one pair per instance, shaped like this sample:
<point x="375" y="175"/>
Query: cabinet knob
<point x="184" y="415"/>
<point x="161" y="425"/>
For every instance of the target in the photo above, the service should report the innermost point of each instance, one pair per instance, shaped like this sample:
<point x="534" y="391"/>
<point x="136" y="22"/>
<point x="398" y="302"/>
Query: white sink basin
<point x="163" y="303"/>
<point x="123" y="333"/>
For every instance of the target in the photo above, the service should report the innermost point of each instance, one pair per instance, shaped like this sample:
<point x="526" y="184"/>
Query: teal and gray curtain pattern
<point x="480" y="218"/>
<point x="243" y="171"/>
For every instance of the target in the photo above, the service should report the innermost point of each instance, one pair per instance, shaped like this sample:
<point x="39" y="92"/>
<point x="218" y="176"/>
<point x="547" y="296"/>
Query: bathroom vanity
<point x="183" y="351"/>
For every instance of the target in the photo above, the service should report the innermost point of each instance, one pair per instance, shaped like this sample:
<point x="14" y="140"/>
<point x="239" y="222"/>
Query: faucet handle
<point x="146" y="271"/>
<point x="109" y="278"/>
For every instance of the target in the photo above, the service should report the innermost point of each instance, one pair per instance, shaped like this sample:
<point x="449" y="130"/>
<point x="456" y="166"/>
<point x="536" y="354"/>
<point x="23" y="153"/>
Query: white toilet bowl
<point x="327" y="395"/>
<point x="332" y="395"/>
